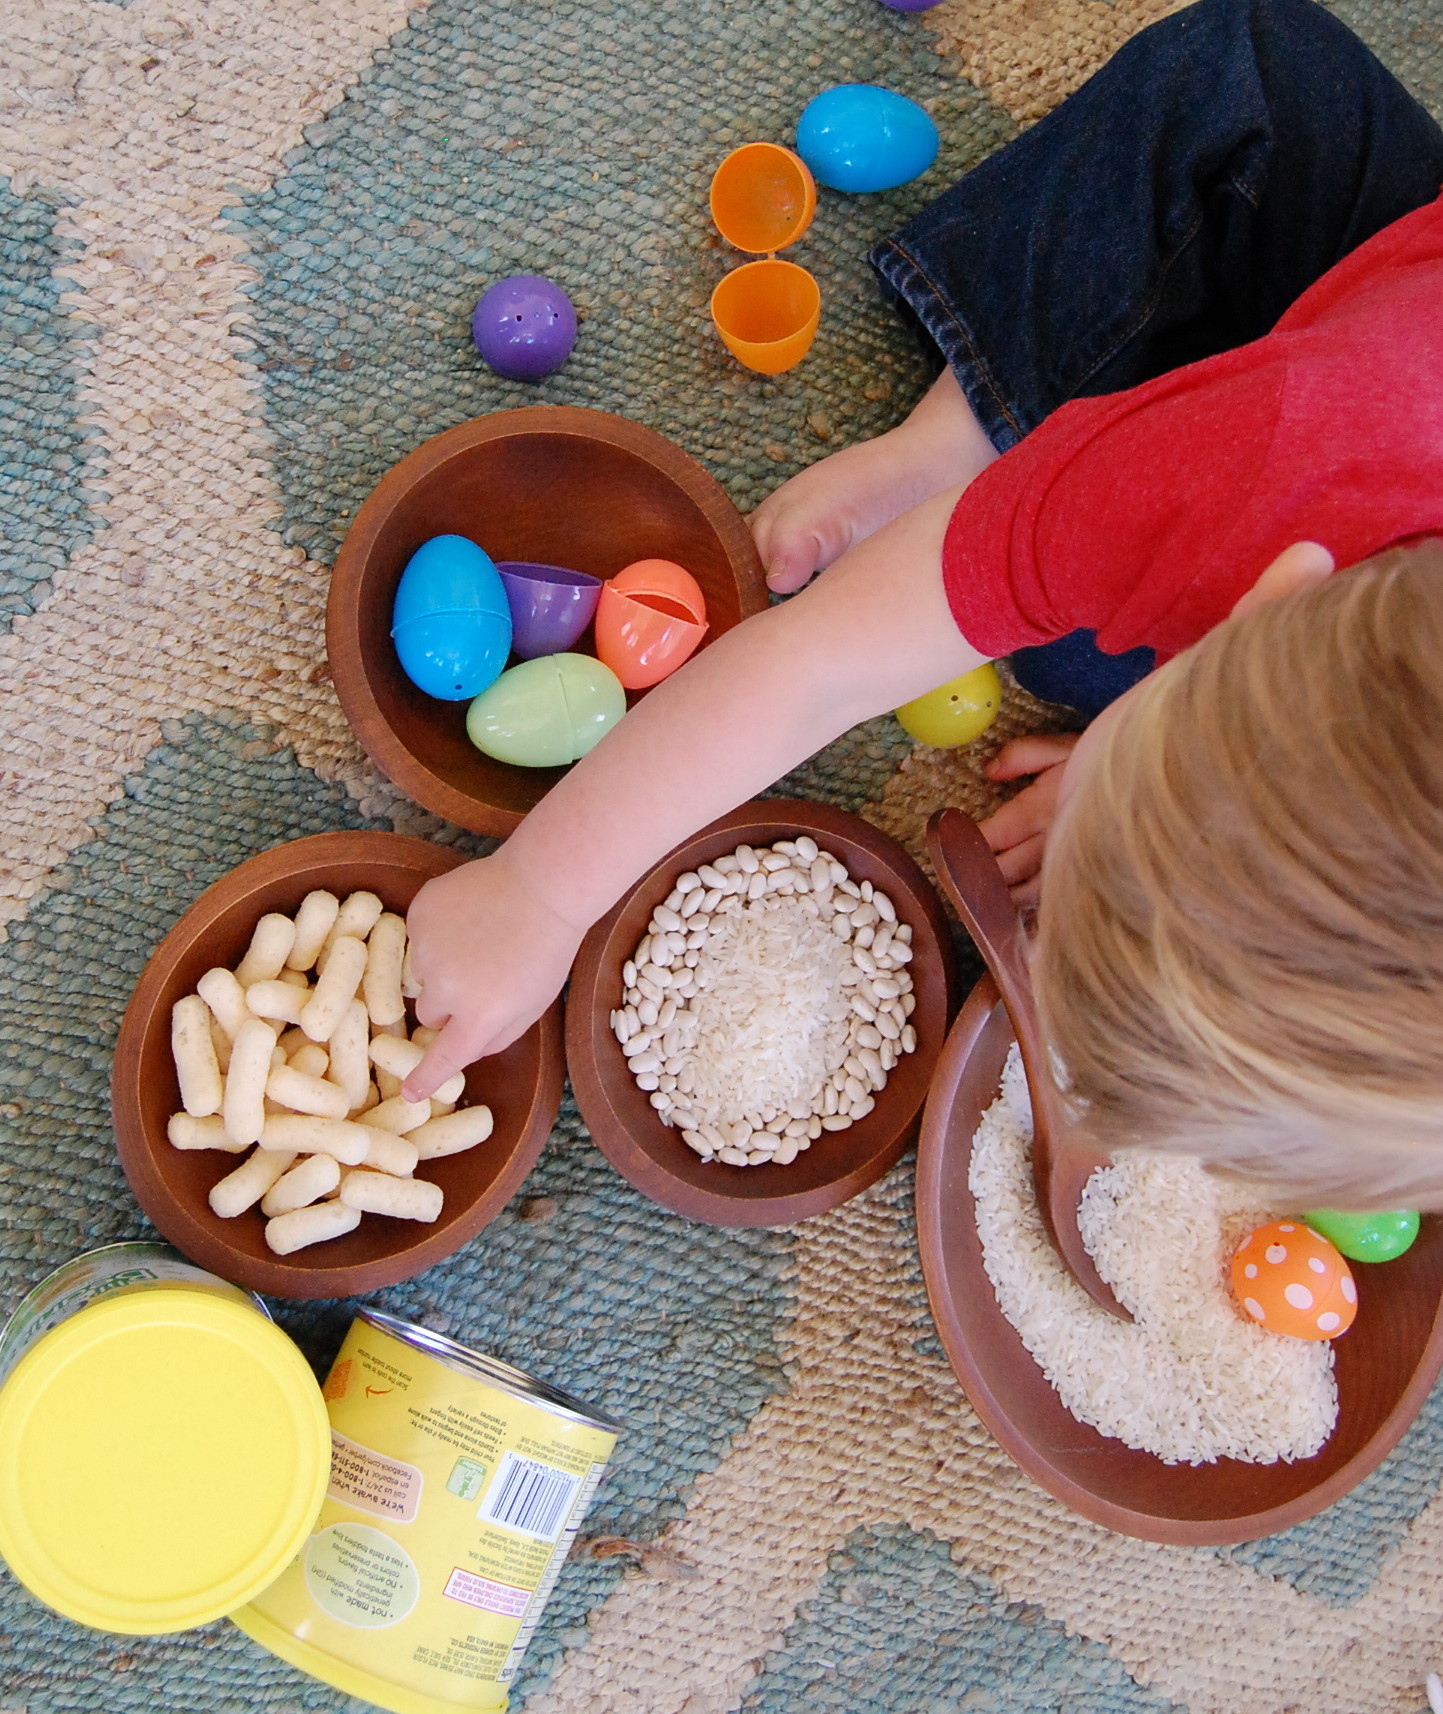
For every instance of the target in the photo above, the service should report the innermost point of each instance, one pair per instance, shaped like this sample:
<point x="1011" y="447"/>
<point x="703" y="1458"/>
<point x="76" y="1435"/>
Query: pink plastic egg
<point x="650" y="619"/>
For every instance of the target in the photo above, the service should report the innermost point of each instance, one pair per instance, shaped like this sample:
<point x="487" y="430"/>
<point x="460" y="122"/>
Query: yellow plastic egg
<point x="954" y="713"/>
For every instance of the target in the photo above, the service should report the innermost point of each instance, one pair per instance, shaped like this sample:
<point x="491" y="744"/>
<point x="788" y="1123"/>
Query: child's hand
<point x="490" y="956"/>
<point x="1018" y="831"/>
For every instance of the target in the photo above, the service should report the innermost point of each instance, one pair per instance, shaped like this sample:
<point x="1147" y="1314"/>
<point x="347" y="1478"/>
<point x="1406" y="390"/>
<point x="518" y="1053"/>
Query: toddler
<point x="1191" y="329"/>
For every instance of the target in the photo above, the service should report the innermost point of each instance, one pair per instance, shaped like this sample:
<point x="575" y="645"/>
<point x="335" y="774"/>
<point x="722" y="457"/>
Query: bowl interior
<point x="550" y="485"/>
<point x="521" y="1085"/>
<point x="839" y="1163"/>
<point x="1385" y="1366"/>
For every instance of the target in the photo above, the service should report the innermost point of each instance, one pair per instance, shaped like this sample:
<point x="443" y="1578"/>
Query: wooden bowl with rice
<point x="838" y="1164"/>
<point x="1385" y="1366"/>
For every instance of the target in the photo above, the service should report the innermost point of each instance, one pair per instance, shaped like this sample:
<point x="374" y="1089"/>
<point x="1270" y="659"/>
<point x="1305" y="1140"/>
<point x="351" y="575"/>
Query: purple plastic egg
<point x="524" y="327"/>
<point x="911" y="5"/>
<point x="550" y="606"/>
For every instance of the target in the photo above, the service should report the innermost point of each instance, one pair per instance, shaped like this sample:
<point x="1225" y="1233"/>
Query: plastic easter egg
<point x="651" y="618"/>
<point x="546" y="713"/>
<point x="550" y="606"/>
<point x="1291" y="1280"/>
<point x="524" y="327"/>
<point x="767" y="313"/>
<point x="954" y="713"/>
<point x="450" y="624"/>
<point x="663" y="581"/>
<point x="858" y="137"/>
<point x="1367" y="1237"/>
<point x="911" y="5"/>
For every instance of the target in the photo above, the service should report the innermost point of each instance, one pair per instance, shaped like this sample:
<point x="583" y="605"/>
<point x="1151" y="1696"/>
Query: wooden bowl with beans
<point x="174" y="1185"/>
<point x="794" y="1161"/>
<point x="554" y="485"/>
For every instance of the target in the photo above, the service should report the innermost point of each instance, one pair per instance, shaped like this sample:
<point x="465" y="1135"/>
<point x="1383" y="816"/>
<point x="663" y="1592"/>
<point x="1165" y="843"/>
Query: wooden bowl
<point x="521" y="1085"/>
<point x="551" y="484"/>
<point x="840" y="1163"/>
<point x="1385" y="1366"/>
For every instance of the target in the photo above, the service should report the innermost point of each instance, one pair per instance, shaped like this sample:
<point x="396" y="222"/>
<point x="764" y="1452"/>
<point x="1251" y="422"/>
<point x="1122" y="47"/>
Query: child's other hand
<point x="490" y="956"/>
<point x="1018" y="831"/>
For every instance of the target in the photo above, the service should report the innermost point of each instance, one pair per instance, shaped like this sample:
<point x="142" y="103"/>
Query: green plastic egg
<point x="547" y="712"/>
<point x="1366" y="1237"/>
<point x="954" y="713"/>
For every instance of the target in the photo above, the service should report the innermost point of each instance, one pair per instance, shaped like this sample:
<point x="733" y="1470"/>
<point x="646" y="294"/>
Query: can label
<point x="451" y="1507"/>
<point x="98" y="1274"/>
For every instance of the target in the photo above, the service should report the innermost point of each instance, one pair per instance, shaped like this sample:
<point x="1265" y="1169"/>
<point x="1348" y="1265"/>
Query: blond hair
<point x="1240" y="947"/>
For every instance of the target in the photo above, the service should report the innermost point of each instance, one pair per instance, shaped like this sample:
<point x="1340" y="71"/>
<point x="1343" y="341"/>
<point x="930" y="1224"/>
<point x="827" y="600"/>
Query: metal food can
<point x="457" y="1487"/>
<point x="163" y="1445"/>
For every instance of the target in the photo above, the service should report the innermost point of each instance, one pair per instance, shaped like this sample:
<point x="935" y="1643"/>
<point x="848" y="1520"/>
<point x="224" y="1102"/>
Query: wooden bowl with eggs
<point x="1385" y="1365"/>
<point x="550" y="484"/>
<point x="619" y="1114"/>
<point x="521" y="1085"/>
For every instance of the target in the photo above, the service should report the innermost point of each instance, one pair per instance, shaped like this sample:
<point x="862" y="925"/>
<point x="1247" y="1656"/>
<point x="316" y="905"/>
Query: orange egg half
<point x="1291" y="1281"/>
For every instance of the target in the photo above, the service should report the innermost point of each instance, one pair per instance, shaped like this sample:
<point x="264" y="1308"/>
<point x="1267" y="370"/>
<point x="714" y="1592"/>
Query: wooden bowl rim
<point x="278" y="1276"/>
<point x="343" y="609"/>
<point x="981" y="1007"/>
<point x="586" y="1021"/>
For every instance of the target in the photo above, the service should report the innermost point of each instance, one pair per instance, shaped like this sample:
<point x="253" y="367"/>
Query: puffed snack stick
<point x="401" y="1198"/>
<point x="270" y="945"/>
<point x="201" y="1090"/>
<point x="336" y="988"/>
<point x="303" y="1134"/>
<point x="288" y="1233"/>
<point x="244" y="1187"/>
<point x="314" y="922"/>
<point x="245" y="1084"/>
<point x="453" y="1133"/>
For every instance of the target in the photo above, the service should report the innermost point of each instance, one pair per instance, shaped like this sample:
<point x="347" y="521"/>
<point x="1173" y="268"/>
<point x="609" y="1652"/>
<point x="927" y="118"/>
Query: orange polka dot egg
<point x="1291" y="1281"/>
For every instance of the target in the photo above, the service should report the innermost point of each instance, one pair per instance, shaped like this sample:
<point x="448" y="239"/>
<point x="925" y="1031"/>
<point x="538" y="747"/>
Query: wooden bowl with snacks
<point x="1385" y="1366"/>
<point x="837" y="1164"/>
<point x="551" y="484"/>
<point x="521" y="1086"/>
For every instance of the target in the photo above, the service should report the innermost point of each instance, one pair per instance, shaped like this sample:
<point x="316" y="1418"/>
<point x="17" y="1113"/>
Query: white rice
<point x="773" y="1015"/>
<point x="1190" y="1381"/>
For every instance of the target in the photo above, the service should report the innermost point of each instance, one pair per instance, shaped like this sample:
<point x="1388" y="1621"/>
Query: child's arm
<point x="492" y="943"/>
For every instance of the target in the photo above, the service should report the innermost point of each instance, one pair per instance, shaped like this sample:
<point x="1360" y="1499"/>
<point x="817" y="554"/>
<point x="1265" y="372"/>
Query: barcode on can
<point x="532" y="1498"/>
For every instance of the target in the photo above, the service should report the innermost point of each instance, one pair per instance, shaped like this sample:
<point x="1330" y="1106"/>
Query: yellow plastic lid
<point x="163" y="1456"/>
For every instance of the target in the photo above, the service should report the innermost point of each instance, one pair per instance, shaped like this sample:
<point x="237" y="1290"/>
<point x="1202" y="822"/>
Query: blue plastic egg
<point x="547" y="712"/>
<point x="451" y="623"/>
<point x="858" y="137"/>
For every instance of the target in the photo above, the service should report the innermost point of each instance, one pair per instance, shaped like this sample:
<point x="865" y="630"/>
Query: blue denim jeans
<point x="1172" y="208"/>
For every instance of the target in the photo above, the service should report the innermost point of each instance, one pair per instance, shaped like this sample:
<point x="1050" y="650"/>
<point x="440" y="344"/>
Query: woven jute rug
<point x="239" y="241"/>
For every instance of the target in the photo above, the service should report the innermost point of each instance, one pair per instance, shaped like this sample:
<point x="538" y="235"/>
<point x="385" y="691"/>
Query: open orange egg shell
<point x="763" y="199"/>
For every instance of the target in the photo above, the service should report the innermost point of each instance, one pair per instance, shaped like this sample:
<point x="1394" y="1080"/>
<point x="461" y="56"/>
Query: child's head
<point x="1240" y="949"/>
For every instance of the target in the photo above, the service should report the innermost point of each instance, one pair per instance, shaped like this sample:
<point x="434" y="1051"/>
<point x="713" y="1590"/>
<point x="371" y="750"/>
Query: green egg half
<point x="547" y="712"/>
<point x="1366" y="1237"/>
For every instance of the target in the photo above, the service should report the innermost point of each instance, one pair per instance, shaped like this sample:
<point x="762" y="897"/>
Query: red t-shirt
<point x="1145" y="515"/>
